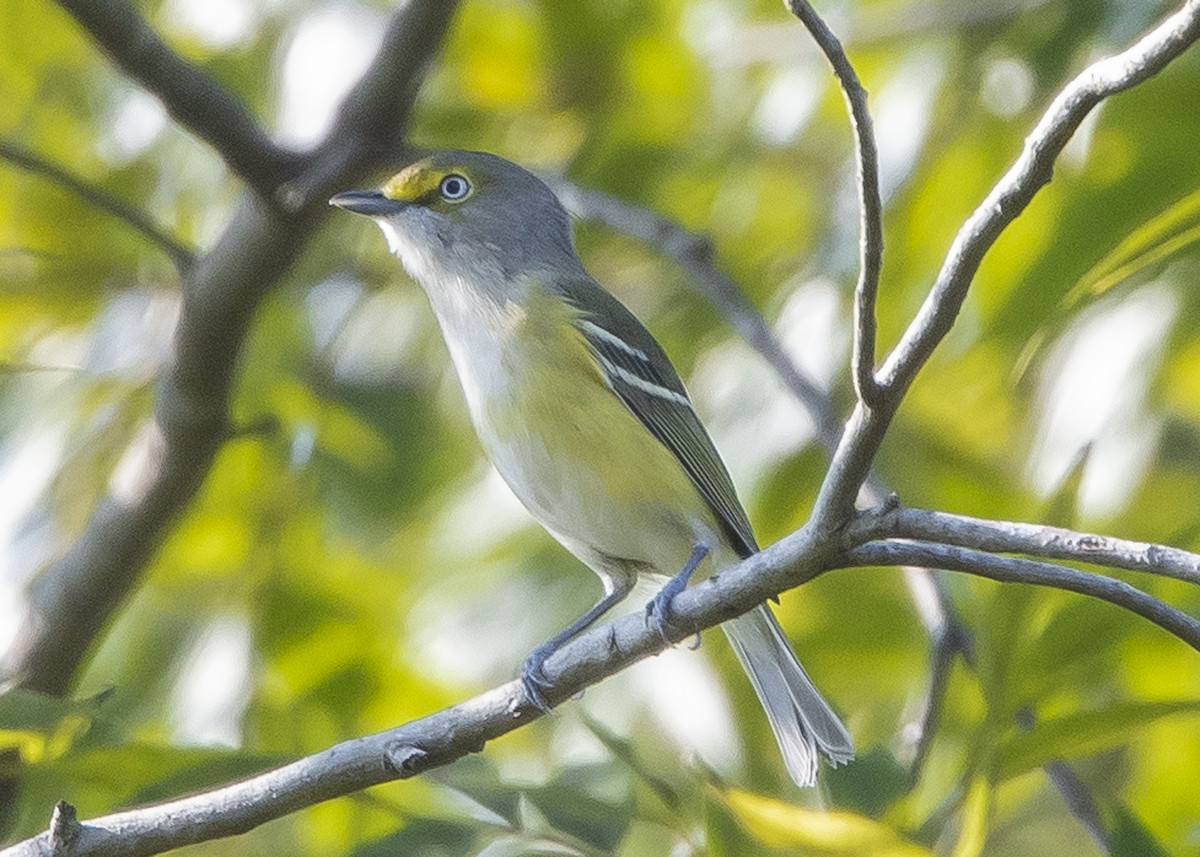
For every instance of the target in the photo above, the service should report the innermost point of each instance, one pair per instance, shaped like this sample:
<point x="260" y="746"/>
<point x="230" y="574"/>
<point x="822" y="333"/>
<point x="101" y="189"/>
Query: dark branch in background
<point x="862" y="359"/>
<point x="1009" y="198"/>
<point x="194" y="100"/>
<point x="19" y="156"/>
<point x="1074" y="791"/>
<point x="72" y="599"/>
<point x="369" y="131"/>
<point x="694" y="253"/>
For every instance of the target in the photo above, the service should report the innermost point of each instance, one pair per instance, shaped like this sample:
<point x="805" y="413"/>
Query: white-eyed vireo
<point x="583" y="415"/>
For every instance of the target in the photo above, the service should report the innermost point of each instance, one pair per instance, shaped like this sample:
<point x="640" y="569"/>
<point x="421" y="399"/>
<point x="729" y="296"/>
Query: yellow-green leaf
<point x="783" y="825"/>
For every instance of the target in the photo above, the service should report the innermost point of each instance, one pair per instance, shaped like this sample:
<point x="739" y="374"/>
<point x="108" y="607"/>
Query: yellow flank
<point x="593" y="443"/>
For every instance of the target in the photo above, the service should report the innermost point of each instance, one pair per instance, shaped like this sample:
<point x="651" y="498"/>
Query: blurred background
<point x="354" y="562"/>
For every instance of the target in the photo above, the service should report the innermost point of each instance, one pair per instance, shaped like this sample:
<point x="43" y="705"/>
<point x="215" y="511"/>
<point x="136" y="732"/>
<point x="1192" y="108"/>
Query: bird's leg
<point x="658" y="610"/>
<point x="533" y="680"/>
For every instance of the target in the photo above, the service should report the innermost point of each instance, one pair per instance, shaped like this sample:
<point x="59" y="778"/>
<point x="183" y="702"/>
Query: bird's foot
<point x="659" y="614"/>
<point x="534" y="681"/>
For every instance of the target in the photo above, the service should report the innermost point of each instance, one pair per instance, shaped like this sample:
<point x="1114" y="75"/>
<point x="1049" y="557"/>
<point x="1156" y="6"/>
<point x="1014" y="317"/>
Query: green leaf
<point x="783" y="825"/>
<point x="1079" y="734"/>
<point x="1063" y="506"/>
<point x="1130" y="838"/>
<point x="30" y="711"/>
<point x="624" y="753"/>
<point x="1159" y="238"/>
<point x="973" y="822"/>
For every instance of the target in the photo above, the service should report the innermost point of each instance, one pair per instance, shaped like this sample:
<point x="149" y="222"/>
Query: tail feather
<point x="804" y="724"/>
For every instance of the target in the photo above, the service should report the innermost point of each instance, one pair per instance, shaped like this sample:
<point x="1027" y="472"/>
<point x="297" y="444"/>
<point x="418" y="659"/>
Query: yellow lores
<point x="583" y="415"/>
<point x="418" y="182"/>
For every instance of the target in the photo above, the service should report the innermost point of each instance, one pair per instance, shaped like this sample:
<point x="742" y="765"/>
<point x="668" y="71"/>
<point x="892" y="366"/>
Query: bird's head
<point x="468" y="215"/>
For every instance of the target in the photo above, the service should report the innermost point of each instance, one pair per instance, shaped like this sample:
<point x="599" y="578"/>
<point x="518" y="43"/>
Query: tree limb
<point x="862" y="360"/>
<point x="193" y="99"/>
<point x="181" y="255"/>
<point x="1030" y="539"/>
<point x="1015" y="570"/>
<point x="465" y="728"/>
<point x="74" y="597"/>
<point x="1008" y="199"/>
<point x="442" y="737"/>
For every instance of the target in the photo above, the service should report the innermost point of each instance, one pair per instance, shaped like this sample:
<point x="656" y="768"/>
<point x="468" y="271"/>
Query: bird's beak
<point x="372" y="203"/>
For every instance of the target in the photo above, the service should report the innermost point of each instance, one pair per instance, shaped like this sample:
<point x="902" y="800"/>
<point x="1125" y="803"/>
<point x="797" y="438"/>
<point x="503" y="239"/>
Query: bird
<point x="581" y="412"/>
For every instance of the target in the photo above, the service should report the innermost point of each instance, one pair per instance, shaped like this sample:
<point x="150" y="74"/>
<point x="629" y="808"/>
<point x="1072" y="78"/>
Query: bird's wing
<point x="638" y="371"/>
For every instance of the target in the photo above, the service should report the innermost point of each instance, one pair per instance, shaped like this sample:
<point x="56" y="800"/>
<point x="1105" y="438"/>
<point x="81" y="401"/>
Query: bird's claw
<point x="534" y="681"/>
<point x="659" y="613"/>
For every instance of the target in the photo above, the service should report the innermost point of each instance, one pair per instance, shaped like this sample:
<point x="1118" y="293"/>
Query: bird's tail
<point x="804" y="724"/>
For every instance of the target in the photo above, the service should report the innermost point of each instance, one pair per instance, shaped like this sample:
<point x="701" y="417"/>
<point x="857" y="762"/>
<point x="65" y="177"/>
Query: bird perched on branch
<point x="583" y="415"/>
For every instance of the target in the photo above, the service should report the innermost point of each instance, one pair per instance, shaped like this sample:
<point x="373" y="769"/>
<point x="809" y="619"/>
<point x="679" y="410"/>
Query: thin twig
<point x="1009" y="198"/>
<point x="1029" y="539"/>
<point x="1074" y="790"/>
<point x="862" y="360"/>
<point x="1015" y="570"/>
<point x="181" y="255"/>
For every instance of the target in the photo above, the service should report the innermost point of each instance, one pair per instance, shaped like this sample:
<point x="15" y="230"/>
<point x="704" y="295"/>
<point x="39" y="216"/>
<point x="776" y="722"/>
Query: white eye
<point x="454" y="187"/>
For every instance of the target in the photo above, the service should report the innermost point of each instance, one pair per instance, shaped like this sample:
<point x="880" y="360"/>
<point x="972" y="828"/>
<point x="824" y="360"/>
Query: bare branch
<point x="1030" y="539"/>
<point x="1009" y="198"/>
<point x="442" y="737"/>
<point x="465" y="728"/>
<point x="1029" y="174"/>
<point x="1013" y="570"/>
<point x="862" y="361"/>
<point x="19" y="156"/>
<point x="73" y="598"/>
<point x="193" y="99"/>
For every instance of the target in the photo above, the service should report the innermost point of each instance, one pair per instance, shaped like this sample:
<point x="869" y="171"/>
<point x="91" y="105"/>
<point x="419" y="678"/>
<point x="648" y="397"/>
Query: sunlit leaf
<point x="1130" y="838"/>
<point x="783" y="825"/>
<point x="1086" y="732"/>
<point x="973" y="819"/>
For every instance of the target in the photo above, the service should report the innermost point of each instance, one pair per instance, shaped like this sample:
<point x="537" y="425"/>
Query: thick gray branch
<point x="193" y="99"/>
<point x="454" y="732"/>
<point x="862" y="360"/>
<point x="438" y="739"/>
<point x="1009" y="198"/>
<point x="141" y="222"/>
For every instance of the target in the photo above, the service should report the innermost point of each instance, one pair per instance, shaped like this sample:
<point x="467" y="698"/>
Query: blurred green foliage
<point x="356" y="564"/>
